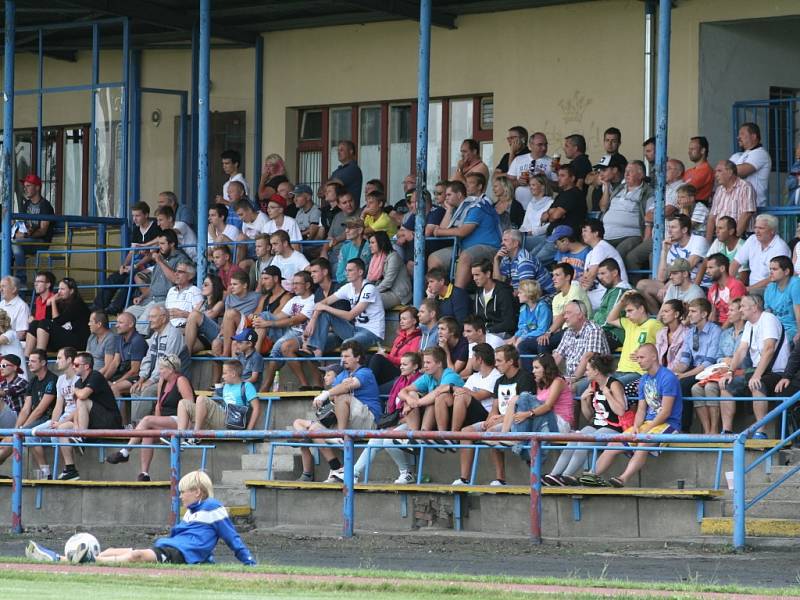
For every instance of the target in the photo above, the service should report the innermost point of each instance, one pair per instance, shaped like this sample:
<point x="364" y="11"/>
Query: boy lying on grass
<point x="191" y="541"/>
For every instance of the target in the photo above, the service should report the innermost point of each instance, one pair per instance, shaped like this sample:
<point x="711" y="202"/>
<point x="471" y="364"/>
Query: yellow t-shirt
<point x="383" y="223"/>
<point x="635" y="336"/>
<point x="576" y="292"/>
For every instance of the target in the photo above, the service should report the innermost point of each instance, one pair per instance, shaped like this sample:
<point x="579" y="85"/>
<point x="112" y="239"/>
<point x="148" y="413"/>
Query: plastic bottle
<point x="276" y="383"/>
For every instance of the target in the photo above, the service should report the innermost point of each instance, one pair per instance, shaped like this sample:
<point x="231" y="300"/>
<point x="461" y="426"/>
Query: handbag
<point x="326" y="414"/>
<point x="387" y="420"/>
<point x="237" y="416"/>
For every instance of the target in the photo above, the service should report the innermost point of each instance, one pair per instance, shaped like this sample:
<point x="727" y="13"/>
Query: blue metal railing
<point x="538" y="442"/>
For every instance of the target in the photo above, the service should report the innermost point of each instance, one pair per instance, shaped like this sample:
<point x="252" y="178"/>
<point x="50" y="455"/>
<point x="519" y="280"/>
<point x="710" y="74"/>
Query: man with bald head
<point x="659" y="412"/>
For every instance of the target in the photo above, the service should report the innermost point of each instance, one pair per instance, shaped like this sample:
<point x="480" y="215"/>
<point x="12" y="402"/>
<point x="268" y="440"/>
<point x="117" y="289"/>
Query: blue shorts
<point x="209" y="329"/>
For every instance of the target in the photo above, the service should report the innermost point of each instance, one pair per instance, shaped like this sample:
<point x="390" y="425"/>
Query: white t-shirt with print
<point x="476" y="382"/>
<point x="65" y="388"/>
<point x="374" y="316"/>
<point x="299" y="306"/>
<point x="697" y="246"/>
<point x="251" y="230"/>
<point x="289" y="226"/>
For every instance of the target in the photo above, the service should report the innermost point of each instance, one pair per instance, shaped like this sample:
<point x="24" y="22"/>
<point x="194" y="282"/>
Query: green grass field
<point x="212" y="582"/>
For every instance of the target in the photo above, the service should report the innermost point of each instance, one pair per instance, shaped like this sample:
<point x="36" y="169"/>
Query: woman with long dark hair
<point x="68" y="325"/>
<point x="196" y="336"/>
<point x="387" y="271"/>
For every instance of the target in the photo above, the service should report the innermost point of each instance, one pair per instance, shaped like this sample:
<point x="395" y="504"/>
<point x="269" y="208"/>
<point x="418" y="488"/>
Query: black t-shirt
<point x="43" y="207"/>
<point x="505" y="162"/>
<point x="582" y="166"/>
<point x="327" y="216"/>
<point x="40" y="387"/>
<point x="460" y="351"/>
<point x="573" y="201"/>
<point x="137" y="237"/>
<point x="101" y="391"/>
<point x="506" y="387"/>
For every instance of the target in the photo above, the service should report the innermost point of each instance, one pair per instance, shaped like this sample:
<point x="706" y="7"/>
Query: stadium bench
<point x="458" y="493"/>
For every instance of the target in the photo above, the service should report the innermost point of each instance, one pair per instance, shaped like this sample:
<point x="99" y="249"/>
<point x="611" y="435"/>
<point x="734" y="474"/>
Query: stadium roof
<point x="234" y="23"/>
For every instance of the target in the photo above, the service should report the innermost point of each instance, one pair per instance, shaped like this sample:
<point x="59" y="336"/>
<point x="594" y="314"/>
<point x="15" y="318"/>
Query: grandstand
<point x="111" y="104"/>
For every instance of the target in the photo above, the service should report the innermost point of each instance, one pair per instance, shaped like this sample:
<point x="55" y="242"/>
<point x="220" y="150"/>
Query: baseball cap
<point x="559" y="232"/>
<point x="302" y="188"/>
<point x="31" y="178"/>
<point x="612" y="160"/>
<point x="336" y="368"/>
<point x="273" y="271"/>
<point x="14" y="360"/>
<point x="246" y="335"/>
<point x="278" y="199"/>
<point x="680" y="264"/>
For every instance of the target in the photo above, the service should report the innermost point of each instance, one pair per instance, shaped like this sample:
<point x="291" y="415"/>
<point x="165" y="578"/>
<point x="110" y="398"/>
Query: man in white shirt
<point x="758" y="250"/>
<point x="187" y="240"/>
<point x="472" y="403"/>
<point x="278" y="220"/>
<point x="474" y="329"/>
<point x="523" y="167"/>
<point x="286" y="258"/>
<point x="15" y="307"/>
<point x="767" y="344"/>
<point x="365" y="322"/>
<point x="592" y="234"/>
<point x="290" y="320"/>
<point x="230" y="166"/>
<point x="753" y="163"/>
<point x="680" y="243"/>
<point x="184" y="296"/>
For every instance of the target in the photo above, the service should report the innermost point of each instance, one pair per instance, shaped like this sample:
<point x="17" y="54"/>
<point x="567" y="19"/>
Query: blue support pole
<point x="16" y="471"/>
<point x="175" y="477"/>
<point x="739" y="510"/>
<point x="40" y="107"/>
<point x="8" y="134"/>
<point x="136" y="125"/>
<point x="348" y="488"/>
<point x="93" y="121"/>
<point x="536" y="492"/>
<point x="123" y="184"/>
<point x="183" y="143"/>
<point x="204" y="76"/>
<point x="662" y="108"/>
<point x="258" y="120"/>
<point x="423" y="97"/>
<point x="195" y="112"/>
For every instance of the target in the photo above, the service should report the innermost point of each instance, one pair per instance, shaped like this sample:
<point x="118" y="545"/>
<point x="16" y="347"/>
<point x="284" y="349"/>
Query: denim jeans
<point x="525" y="402"/>
<point x="403" y="460"/>
<point x="344" y="330"/>
<point x="276" y="353"/>
<point x="273" y="333"/>
<point x="572" y="458"/>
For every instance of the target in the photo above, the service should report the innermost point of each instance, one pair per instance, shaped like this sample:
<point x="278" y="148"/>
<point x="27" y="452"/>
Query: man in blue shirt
<point x="357" y="405"/>
<point x="700" y="350"/>
<point x="782" y="296"/>
<point x="659" y="412"/>
<point x="420" y="397"/>
<point x="348" y="171"/>
<point x="513" y="264"/>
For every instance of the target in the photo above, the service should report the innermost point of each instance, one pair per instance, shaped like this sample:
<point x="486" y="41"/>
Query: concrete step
<point x="280" y="462"/>
<point x="232" y="495"/>
<point x="263" y="448"/>
<point x="787" y="491"/>
<point x="757" y="527"/>
<point x="759" y="475"/>
<point x="237" y="478"/>
<point x="769" y="509"/>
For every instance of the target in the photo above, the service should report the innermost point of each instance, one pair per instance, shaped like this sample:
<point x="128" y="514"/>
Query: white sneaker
<point x="36" y="552"/>
<point x="497" y="483"/>
<point x="336" y="476"/>
<point x="405" y="478"/>
<point x="460" y="481"/>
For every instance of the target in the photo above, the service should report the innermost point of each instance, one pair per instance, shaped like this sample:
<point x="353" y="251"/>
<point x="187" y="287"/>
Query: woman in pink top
<point x="552" y="406"/>
<point x="669" y="339"/>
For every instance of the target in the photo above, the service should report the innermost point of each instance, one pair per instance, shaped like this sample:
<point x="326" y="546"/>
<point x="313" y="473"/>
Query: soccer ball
<point x="75" y="542"/>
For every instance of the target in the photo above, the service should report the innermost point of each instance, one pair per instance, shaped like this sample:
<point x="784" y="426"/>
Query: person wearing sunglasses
<point x="12" y="390"/>
<point x="36" y="409"/>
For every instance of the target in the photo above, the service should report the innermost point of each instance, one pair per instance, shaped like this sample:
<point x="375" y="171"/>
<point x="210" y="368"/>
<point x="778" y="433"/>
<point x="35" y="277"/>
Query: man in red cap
<point x="278" y="219"/>
<point x="31" y="231"/>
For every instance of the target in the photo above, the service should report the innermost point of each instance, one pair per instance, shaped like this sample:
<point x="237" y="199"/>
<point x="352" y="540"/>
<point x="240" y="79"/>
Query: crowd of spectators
<point x="545" y="297"/>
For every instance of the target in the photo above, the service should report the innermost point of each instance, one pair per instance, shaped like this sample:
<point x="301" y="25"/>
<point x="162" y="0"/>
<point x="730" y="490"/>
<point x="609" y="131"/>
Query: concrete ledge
<point x="80" y="483"/>
<point x="789" y="528"/>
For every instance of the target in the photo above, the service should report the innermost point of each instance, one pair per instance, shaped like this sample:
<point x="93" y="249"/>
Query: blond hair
<point x="197" y="480"/>
<point x="531" y="288"/>
<point x="5" y="321"/>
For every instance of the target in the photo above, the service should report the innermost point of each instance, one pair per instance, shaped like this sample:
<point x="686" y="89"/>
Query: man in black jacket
<point x="494" y="301"/>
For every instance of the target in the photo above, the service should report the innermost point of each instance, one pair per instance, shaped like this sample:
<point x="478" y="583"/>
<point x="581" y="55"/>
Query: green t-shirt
<point x="610" y="298"/>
